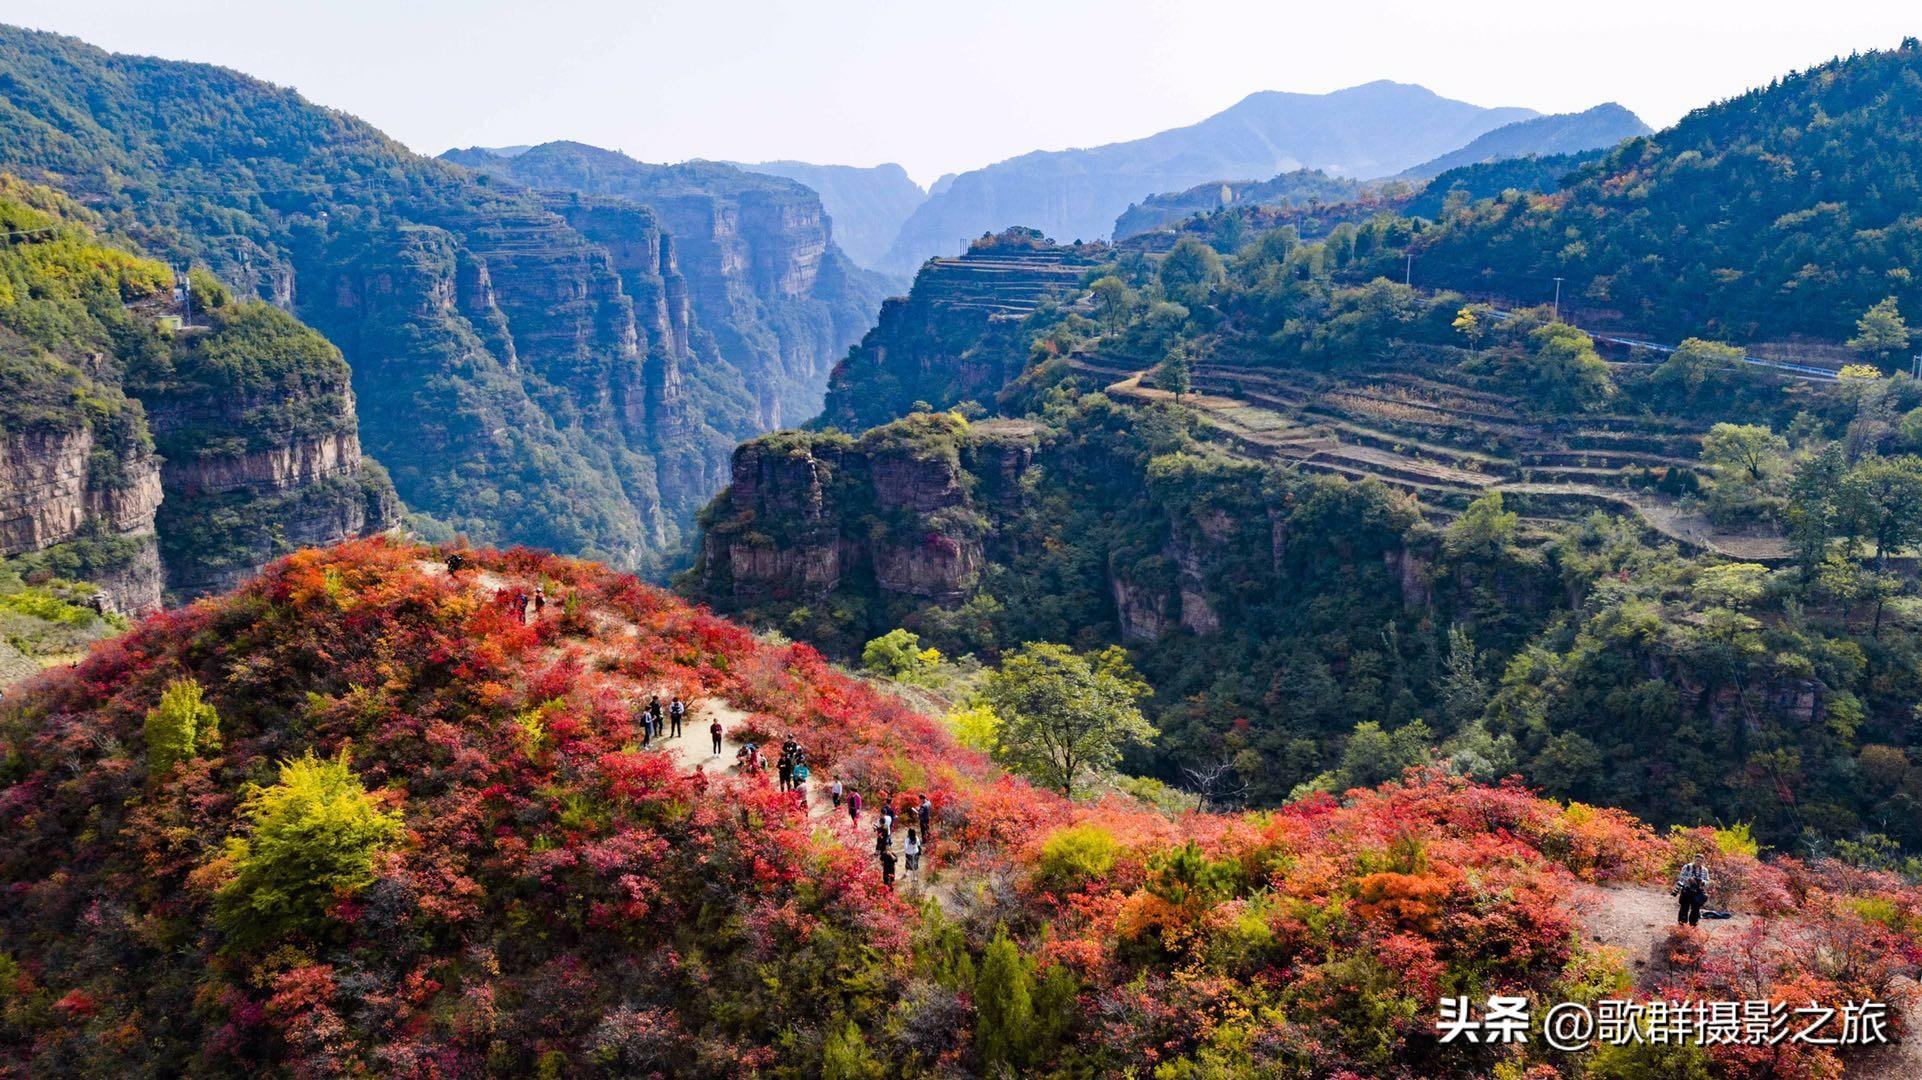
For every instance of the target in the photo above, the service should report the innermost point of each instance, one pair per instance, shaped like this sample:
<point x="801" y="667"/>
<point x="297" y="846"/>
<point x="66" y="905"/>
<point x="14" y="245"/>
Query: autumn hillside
<point x="357" y="819"/>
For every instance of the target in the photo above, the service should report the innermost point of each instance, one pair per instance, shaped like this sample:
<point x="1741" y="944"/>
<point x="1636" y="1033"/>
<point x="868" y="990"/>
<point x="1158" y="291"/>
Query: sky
<point x="948" y="87"/>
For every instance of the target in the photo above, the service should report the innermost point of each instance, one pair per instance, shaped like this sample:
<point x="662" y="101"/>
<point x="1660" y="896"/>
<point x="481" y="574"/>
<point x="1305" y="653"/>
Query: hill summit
<point x="377" y="813"/>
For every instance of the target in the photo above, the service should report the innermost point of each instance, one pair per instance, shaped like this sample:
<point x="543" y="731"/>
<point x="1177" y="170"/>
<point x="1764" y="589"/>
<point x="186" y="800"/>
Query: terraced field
<point x="1439" y="436"/>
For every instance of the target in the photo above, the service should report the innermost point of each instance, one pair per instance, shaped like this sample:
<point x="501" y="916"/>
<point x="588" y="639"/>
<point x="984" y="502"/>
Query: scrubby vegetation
<point x="376" y="868"/>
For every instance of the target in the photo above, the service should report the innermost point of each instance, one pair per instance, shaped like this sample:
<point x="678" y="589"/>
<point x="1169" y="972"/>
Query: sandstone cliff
<point x="152" y="461"/>
<point x="899" y="512"/>
<point x="956" y="336"/>
<point x="84" y="499"/>
<point x="779" y="299"/>
<point x="254" y="417"/>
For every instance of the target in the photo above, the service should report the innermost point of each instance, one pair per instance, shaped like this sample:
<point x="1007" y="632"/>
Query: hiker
<point x="786" y="768"/>
<point x="835" y="789"/>
<point x="887" y="868"/>
<point x="883" y="840"/>
<point x="854" y="807"/>
<point x="456" y="562"/>
<point x="925" y="811"/>
<point x="540" y="601"/>
<point x="1692" y="886"/>
<point x="887" y="816"/>
<point x="647" y="729"/>
<point x="800" y="783"/>
<point x="717" y="731"/>
<point x="675" y="711"/>
<point x="912" y="849"/>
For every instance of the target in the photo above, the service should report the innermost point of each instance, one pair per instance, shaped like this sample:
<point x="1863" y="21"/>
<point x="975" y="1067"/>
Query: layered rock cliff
<point x="956" y="336"/>
<point x="897" y="514"/>
<point x="152" y="460"/>
<point x="778" y="297"/>
<point x="254" y="417"/>
<point x="535" y="371"/>
<point x="80" y="490"/>
<point x="868" y="205"/>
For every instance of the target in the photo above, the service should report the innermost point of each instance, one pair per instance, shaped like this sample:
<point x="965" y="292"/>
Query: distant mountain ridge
<point x="1563" y="133"/>
<point x="867" y="205"/>
<point x="1376" y="129"/>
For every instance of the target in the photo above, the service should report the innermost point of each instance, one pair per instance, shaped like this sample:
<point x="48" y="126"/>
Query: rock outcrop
<point x="868" y="205"/>
<point x="154" y="461"/>
<point x="956" y="336"/>
<point x="900" y="508"/>
<point x="255" y="420"/>
<point x="89" y="495"/>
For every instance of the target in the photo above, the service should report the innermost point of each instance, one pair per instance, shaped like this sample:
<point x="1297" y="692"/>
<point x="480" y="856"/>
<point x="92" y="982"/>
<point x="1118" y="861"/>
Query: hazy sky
<point x="940" y="87"/>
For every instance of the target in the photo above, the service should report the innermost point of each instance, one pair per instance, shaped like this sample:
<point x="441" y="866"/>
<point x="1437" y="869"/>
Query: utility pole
<point x="1558" y="299"/>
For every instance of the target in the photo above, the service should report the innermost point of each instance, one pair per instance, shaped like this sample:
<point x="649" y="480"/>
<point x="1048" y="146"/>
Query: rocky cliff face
<point x="779" y="301"/>
<point x="534" y="368"/>
<point x="77" y="491"/>
<point x="899" y="510"/>
<point x="868" y="206"/>
<point x="151" y="461"/>
<point x="255" y="419"/>
<point x="956" y="336"/>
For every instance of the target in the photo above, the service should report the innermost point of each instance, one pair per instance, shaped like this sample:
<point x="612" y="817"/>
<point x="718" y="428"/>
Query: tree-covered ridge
<point x="361" y="816"/>
<point x="1543" y="136"/>
<point x="246" y="407"/>
<point x="525" y="381"/>
<point x="64" y="296"/>
<point x="1787" y="210"/>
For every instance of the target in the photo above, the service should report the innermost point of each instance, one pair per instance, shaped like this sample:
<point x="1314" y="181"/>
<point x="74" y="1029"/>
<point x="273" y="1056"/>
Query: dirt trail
<point x="1636" y="919"/>
<point x="693" y="749"/>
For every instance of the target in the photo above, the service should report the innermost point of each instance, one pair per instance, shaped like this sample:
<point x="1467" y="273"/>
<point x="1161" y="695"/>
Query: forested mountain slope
<point x="523" y="380"/>
<point x="1790" y="209"/>
<point x="150" y="460"/>
<point x="361" y="817"/>
<point x="1300" y="187"/>
<point x="1347" y="525"/>
<point x="1541" y="136"/>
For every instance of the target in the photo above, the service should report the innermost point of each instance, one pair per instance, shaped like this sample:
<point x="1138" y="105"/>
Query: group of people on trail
<point x="659" y="723"/>
<point x="792" y="767"/>
<point x="519" y="600"/>
<point x="911" y="847"/>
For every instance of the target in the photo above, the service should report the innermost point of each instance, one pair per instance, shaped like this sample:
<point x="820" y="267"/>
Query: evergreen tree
<point x="1004" y="1006"/>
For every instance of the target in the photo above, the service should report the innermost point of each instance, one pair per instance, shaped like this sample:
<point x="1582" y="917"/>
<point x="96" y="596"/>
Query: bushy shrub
<point x="314" y="837"/>
<point x="179" y="726"/>
<point x="1076" y="855"/>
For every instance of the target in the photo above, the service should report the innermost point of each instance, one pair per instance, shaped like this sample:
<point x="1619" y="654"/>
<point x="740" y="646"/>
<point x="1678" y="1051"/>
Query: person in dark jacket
<point x="1691" y="886"/>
